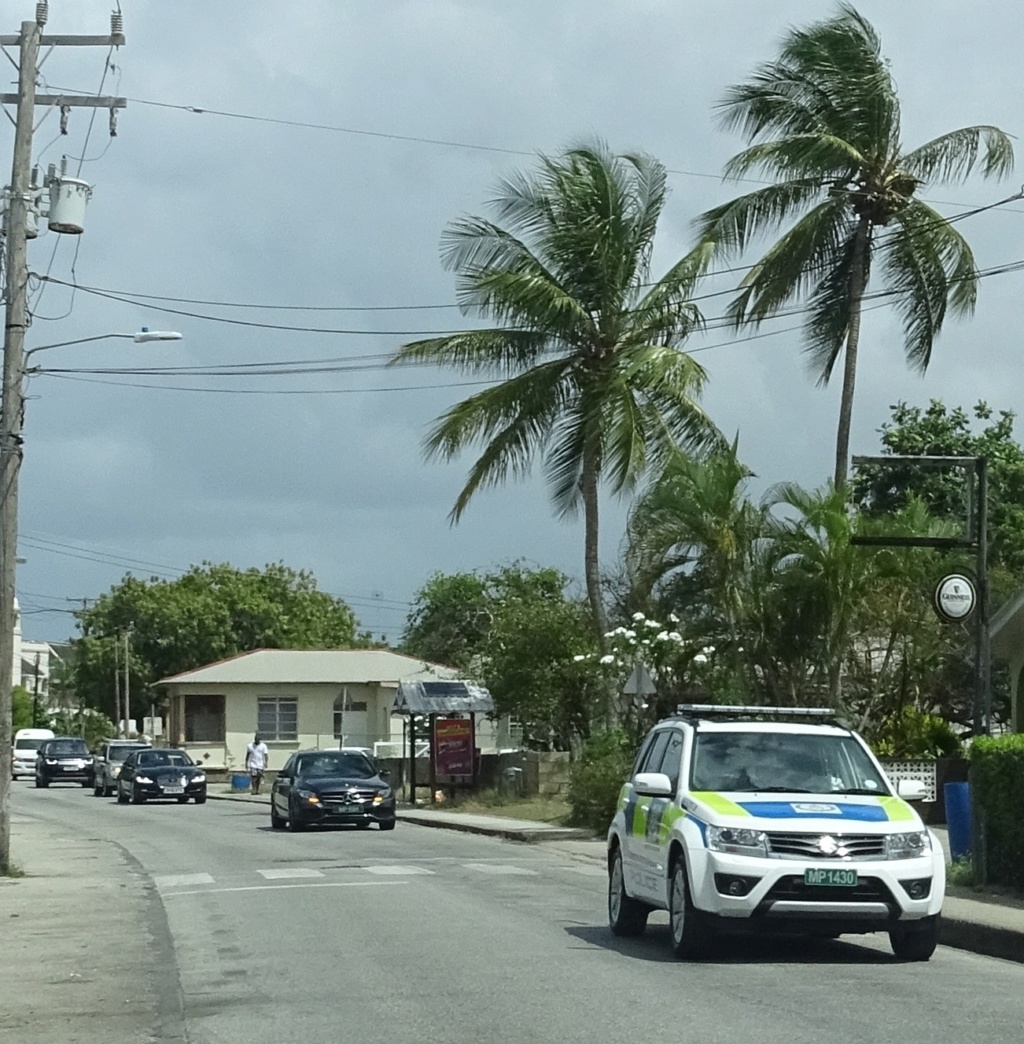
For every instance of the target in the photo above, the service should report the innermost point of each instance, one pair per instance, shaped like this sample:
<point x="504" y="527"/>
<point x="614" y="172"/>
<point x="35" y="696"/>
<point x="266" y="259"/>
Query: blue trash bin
<point x="957" y="797"/>
<point x="239" y="782"/>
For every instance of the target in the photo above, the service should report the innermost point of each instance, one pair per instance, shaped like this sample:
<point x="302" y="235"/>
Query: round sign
<point x="955" y="596"/>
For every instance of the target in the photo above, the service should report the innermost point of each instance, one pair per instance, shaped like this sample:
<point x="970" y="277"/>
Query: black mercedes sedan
<point x="149" y="774"/>
<point x="331" y="786"/>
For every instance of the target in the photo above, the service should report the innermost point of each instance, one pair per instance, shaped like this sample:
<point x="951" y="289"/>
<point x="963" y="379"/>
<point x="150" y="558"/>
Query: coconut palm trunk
<point x="858" y="283"/>
<point x="591" y="552"/>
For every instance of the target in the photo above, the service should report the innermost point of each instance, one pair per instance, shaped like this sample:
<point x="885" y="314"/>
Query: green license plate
<point x="831" y="878"/>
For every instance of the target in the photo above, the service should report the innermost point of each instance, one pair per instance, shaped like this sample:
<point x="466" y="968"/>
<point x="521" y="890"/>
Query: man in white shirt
<point x="256" y="757"/>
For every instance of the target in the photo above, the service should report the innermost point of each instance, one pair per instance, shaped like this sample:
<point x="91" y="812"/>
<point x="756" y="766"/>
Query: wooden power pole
<point x="19" y="203"/>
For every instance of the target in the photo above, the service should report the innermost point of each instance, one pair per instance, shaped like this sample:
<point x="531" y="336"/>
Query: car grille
<point x="866" y="890"/>
<point x="347" y="797"/>
<point x="808" y="846"/>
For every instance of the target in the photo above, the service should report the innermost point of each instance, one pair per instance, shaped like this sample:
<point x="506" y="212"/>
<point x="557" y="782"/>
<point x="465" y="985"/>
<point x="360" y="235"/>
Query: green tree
<point x="587" y="350"/>
<point x="21" y="708"/>
<point x="449" y="619"/>
<point x="209" y="613"/>
<point x="823" y="120"/>
<point x="939" y="431"/>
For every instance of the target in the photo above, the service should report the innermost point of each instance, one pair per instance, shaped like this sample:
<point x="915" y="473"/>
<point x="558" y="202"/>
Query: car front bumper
<point x="353" y="813"/>
<point x="777" y="897"/>
<point x="23" y="767"/>
<point x="65" y="773"/>
<point x="169" y="791"/>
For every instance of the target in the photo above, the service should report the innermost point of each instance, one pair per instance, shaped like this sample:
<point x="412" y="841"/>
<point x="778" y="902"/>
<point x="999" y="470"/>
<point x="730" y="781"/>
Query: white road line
<point x="500" y="869"/>
<point x="295" y="871"/>
<point x="282" y="887"/>
<point x="396" y="871"/>
<point x="178" y="880"/>
<point x="588" y="871"/>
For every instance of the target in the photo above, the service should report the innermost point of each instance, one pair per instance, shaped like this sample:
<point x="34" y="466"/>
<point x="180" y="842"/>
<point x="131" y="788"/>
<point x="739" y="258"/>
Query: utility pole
<point x="127" y="686"/>
<point x="28" y="42"/>
<point x="117" y="686"/>
<point x="35" y="694"/>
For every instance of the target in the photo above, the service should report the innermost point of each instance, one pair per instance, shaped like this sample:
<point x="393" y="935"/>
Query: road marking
<point x="282" y="887"/>
<point x="588" y="871"/>
<point x="500" y="869"/>
<point x="397" y="871"/>
<point x="296" y="871"/>
<point x="178" y="880"/>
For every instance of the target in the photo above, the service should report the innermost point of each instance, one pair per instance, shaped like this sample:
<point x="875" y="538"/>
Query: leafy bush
<point x="597" y="777"/>
<point x="997" y="783"/>
<point x="911" y="735"/>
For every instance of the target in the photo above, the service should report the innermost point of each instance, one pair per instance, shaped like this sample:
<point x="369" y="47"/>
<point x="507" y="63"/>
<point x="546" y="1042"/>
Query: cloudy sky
<point x="151" y="473"/>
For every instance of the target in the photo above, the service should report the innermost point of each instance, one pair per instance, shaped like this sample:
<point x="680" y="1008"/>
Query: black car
<point x="331" y="786"/>
<point x="149" y="774"/>
<point x="65" y="759"/>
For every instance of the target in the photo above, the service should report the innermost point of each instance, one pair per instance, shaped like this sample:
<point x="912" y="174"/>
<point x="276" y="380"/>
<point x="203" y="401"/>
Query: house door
<point x="351" y="724"/>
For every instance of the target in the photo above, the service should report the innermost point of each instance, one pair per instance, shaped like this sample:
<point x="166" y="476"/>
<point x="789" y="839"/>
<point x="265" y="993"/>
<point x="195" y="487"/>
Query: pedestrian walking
<point x="257" y="755"/>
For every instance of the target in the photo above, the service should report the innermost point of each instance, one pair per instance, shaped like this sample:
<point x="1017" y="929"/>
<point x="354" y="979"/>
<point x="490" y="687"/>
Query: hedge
<point x="597" y="778"/>
<point x="997" y="783"/>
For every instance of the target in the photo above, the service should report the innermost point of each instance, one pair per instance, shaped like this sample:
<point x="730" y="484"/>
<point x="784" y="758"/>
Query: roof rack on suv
<point x="823" y="715"/>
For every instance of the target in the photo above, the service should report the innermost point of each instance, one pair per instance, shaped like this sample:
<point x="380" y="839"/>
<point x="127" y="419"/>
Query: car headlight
<point x="143" y="779"/>
<point x="115" y="771"/>
<point x="51" y="761"/>
<point x="907" y="845"/>
<point x="738" y="842"/>
<point x="199" y="778"/>
<point x="308" y="795"/>
<point x="381" y="796"/>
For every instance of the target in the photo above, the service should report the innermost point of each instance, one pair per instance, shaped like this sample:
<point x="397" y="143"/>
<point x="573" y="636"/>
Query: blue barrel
<point x="239" y="781"/>
<point x="957" y="797"/>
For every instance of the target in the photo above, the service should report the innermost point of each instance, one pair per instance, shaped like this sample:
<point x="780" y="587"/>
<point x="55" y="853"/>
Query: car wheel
<point x="109" y="791"/>
<point x="200" y="799"/>
<point x="627" y="917"/>
<point x="915" y="943"/>
<point x="137" y="797"/>
<point x="691" y="929"/>
<point x="43" y="783"/>
<point x="122" y="797"/>
<point x="388" y="824"/>
<point x="276" y="821"/>
<point x="295" y="825"/>
<point x="86" y="783"/>
<point x="97" y="790"/>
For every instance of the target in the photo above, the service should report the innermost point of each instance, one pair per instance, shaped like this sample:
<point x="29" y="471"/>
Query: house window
<point x="278" y="718"/>
<point x="204" y="719"/>
<point x="342" y="706"/>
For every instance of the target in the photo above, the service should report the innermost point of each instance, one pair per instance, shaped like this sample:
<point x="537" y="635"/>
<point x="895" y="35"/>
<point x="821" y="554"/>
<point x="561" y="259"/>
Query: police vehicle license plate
<point x="833" y="878"/>
<point x="174" y="790"/>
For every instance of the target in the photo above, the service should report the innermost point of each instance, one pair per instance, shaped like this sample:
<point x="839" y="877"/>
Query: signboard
<point x="955" y="597"/>
<point x="453" y="750"/>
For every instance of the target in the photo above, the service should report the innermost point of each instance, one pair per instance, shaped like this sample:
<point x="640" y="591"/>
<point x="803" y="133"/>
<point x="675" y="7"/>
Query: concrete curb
<point x="508" y="833"/>
<point x="1004" y="943"/>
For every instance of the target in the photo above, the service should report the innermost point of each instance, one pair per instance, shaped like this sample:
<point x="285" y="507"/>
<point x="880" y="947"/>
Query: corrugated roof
<point x="312" y="667"/>
<point x="419" y="696"/>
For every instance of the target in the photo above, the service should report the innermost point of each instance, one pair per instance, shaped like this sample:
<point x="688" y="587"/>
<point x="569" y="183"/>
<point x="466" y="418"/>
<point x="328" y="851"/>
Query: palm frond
<point x="952" y="156"/>
<point x="498" y="352"/>
<point x="818" y="157"/>
<point x="665" y="314"/>
<point x="795" y="263"/>
<point x="928" y="265"/>
<point x="829" y="311"/>
<point x="731" y="226"/>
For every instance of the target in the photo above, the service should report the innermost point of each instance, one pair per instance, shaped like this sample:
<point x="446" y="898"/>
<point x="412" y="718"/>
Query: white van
<point x="26" y="746"/>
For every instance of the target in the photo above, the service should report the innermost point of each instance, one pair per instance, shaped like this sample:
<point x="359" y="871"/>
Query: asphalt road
<point x="362" y="937"/>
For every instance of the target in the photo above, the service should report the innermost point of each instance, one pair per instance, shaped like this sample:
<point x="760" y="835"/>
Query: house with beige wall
<point x="298" y="699"/>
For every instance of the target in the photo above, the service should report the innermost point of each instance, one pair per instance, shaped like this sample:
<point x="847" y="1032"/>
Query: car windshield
<point x="29" y="744"/>
<point x="120" y="753"/>
<point x="163" y="759"/>
<point x="66" y="748"/>
<point x="801" y="763"/>
<point x="351" y="766"/>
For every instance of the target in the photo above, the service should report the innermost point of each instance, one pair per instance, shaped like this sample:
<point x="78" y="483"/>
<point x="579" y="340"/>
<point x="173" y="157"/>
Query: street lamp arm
<point x="140" y="337"/>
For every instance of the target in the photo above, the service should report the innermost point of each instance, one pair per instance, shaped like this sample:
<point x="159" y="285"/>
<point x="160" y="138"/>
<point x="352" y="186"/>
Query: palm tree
<point x="823" y="120"/>
<point x="586" y="349"/>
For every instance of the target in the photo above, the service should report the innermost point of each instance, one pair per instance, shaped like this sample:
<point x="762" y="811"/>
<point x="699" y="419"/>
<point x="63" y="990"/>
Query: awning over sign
<point x="442" y="697"/>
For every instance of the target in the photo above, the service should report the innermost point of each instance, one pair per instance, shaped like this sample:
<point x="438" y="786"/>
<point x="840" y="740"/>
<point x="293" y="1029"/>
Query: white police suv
<point x="735" y="819"/>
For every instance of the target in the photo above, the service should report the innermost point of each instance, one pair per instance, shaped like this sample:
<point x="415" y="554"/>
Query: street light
<point x="12" y="417"/>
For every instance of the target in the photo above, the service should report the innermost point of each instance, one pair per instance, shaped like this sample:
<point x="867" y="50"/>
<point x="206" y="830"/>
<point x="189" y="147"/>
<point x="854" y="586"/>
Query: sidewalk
<point x="981" y="922"/>
<point x="86" y="954"/>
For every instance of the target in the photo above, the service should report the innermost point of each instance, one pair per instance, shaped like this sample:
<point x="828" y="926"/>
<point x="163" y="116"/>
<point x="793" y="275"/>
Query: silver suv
<point x="109" y="759"/>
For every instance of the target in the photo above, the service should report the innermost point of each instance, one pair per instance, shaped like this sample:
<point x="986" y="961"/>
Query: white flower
<point x="607" y="658"/>
<point x="672" y="618"/>
<point x="578" y="658"/>
<point x="652" y="623"/>
<point x="646" y="641"/>
<point x="638" y="617"/>
<point x="661" y="636"/>
<point x="675" y="636"/>
<point x="708" y="650"/>
<point x="700" y="658"/>
<point x="629" y="634"/>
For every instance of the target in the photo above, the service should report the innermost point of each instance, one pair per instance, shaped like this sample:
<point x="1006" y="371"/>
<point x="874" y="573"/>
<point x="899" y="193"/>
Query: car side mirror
<point x="385" y="774"/>
<point x="653" y="784"/>
<point x="911" y="790"/>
